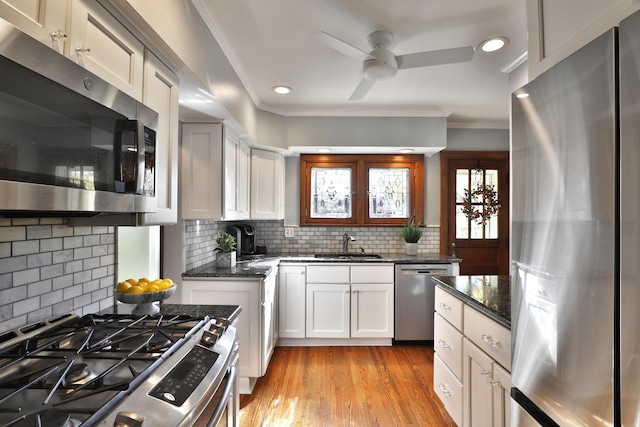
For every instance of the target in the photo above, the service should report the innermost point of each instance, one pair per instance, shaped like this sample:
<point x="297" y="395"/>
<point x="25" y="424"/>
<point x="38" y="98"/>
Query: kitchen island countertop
<point x="489" y="294"/>
<point x="261" y="267"/>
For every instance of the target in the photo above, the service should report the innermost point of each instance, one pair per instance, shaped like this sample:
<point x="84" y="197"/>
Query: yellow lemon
<point x="144" y="279"/>
<point x="123" y="286"/>
<point x="135" y="290"/>
<point x="156" y="282"/>
<point x="166" y="284"/>
<point x="133" y="282"/>
<point x="152" y="288"/>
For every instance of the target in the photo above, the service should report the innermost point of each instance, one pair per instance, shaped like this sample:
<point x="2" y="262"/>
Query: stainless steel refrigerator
<point x="575" y="238"/>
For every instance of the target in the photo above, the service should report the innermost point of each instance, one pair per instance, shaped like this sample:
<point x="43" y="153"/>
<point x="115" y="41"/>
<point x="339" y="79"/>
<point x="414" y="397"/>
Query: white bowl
<point x="145" y="301"/>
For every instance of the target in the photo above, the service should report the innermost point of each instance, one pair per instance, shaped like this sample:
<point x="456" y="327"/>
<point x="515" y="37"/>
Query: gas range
<point x="107" y="370"/>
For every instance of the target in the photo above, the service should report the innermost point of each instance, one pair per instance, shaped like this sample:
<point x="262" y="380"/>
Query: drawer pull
<point x="445" y="307"/>
<point x="444" y="390"/>
<point x="491" y="341"/>
<point x="485" y="373"/>
<point x="444" y="344"/>
<point x="494" y="382"/>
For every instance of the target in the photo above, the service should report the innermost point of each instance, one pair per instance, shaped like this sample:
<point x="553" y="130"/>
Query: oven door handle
<point x="224" y="401"/>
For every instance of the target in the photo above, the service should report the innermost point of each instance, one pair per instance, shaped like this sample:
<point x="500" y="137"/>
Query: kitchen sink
<point x="349" y="256"/>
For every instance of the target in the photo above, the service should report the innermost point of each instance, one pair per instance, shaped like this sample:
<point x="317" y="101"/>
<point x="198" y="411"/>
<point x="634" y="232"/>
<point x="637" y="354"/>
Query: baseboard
<point x="335" y="342"/>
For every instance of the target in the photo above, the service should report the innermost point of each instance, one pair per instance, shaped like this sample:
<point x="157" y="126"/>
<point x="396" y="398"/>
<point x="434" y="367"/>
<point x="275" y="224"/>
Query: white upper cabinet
<point x="200" y="171"/>
<point x="161" y="94"/>
<point x="267" y="185"/>
<point x="237" y="159"/>
<point x="102" y="45"/>
<point x="44" y="20"/>
<point x="214" y="177"/>
<point x="556" y="30"/>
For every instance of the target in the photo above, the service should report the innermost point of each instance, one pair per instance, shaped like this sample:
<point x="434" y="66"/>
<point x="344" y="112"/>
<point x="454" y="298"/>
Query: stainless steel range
<point x="118" y="370"/>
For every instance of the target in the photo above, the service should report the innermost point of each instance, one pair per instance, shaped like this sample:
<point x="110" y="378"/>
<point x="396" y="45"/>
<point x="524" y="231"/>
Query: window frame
<point x="360" y="165"/>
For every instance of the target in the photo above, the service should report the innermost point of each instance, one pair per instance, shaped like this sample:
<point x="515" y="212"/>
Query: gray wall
<point x="457" y="139"/>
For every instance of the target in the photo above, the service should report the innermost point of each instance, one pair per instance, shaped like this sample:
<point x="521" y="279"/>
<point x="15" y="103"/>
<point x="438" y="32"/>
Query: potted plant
<point x="226" y="253"/>
<point x="411" y="233"/>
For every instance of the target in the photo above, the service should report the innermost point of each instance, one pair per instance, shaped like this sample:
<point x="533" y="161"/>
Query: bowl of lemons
<point x="144" y="293"/>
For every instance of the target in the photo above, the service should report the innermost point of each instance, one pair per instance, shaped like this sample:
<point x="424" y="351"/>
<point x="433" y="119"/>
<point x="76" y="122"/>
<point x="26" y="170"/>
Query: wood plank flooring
<point x="346" y="386"/>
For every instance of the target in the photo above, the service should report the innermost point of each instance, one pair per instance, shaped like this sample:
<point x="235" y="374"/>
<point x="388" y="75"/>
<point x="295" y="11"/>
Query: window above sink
<point x="371" y="189"/>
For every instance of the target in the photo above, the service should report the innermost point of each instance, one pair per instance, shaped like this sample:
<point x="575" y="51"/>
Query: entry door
<point x="480" y="240"/>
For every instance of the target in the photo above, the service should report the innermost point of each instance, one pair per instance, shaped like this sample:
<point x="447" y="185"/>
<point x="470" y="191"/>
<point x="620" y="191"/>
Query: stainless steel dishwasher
<point x="414" y="300"/>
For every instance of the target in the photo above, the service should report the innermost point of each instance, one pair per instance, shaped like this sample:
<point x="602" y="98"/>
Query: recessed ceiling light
<point x="406" y="150"/>
<point x="281" y="90"/>
<point x="493" y="44"/>
<point x="324" y="150"/>
<point x="522" y="95"/>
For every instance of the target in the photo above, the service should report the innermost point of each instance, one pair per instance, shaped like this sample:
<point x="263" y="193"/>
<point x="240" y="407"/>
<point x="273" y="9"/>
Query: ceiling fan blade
<point x="361" y="90"/>
<point x="342" y="47"/>
<point x="435" y="57"/>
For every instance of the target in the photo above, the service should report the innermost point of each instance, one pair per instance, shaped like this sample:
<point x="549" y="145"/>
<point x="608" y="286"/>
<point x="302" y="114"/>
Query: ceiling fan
<point x="382" y="64"/>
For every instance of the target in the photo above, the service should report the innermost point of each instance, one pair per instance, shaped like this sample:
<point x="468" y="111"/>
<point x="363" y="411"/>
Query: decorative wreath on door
<point x="481" y="213"/>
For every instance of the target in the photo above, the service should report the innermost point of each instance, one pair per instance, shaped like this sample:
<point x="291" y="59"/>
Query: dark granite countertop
<point x="262" y="267"/>
<point x="256" y="269"/>
<point x="230" y="312"/>
<point x="489" y="294"/>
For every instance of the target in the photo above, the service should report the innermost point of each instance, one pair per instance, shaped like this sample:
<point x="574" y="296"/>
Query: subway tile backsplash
<point x="48" y="268"/>
<point x="200" y="239"/>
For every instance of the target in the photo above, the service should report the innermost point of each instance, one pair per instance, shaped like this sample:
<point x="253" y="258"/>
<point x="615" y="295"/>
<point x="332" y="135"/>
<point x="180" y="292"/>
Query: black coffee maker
<point x="245" y="236"/>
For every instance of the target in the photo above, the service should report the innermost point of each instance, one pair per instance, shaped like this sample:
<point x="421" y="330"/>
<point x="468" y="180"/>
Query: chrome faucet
<point x="346" y="238"/>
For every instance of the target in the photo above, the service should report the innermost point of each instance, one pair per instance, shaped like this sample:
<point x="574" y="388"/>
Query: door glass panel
<point x="470" y="180"/>
<point x="462" y="182"/>
<point x="462" y="224"/>
<point x="331" y="192"/>
<point x="389" y="193"/>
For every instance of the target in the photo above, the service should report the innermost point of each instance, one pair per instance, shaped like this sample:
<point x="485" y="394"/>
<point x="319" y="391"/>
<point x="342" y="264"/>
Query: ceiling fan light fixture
<point x="493" y="44"/>
<point x="281" y="90"/>
<point x="383" y="67"/>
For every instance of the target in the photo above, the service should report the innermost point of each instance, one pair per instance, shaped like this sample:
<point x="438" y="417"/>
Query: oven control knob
<point x="223" y="323"/>
<point x="128" y="419"/>
<point x="209" y="338"/>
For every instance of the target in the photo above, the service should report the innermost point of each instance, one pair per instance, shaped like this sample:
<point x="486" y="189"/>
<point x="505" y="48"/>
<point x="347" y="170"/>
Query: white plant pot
<point x="411" y="248"/>
<point x="226" y="259"/>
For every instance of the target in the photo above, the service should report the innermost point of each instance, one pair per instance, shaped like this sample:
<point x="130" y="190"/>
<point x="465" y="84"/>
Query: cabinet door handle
<point x="485" y="373"/>
<point x="444" y="344"/>
<point x="83" y="50"/>
<point x="445" y="307"/>
<point x="491" y="341"/>
<point x="444" y="390"/>
<point x="494" y="382"/>
<point x="58" y="35"/>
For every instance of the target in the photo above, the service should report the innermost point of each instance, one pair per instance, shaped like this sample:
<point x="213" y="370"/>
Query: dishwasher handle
<point x="434" y="272"/>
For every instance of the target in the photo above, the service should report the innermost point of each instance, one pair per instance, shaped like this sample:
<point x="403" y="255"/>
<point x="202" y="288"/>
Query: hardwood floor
<point x="346" y="386"/>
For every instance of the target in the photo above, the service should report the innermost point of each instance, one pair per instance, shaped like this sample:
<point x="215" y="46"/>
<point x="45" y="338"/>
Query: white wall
<point x="138" y="252"/>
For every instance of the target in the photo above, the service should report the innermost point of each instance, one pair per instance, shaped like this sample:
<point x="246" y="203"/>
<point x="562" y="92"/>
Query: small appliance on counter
<point x="245" y="236"/>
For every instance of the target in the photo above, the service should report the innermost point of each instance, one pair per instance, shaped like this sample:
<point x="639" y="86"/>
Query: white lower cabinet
<point x="328" y="310"/>
<point x="372" y="310"/>
<point x="349" y="301"/>
<point x="448" y="388"/>
<point x="256" y="322"/>
<point x="472" y="353"/>
<point x="292" y="300"/>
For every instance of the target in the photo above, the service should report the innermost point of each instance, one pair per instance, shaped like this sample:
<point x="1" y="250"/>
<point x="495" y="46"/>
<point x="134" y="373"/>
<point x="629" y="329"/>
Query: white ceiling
<point x="268" y="43"/>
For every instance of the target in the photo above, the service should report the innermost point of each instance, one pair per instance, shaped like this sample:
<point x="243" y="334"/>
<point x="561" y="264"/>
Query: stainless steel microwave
<point x="70" y="143"/>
